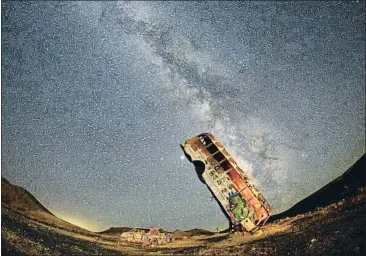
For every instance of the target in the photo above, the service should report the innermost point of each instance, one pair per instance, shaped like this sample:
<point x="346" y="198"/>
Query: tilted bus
<point x="237" y="196"/>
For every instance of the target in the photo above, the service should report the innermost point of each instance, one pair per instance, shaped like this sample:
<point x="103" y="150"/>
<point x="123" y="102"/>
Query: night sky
<point x="96" y="98"/>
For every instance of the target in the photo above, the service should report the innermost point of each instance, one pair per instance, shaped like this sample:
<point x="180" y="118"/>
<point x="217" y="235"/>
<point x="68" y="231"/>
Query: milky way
<point x="96" y="98"/>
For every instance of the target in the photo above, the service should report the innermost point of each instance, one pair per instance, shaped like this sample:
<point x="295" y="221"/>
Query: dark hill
<point x="15" y="199"/>
<point x="342" y="187"/>
<point x="18" y="198"/>
<point x="198" y="232"/>
<point x="192" y="232"/>
<point x="115" y="230"/>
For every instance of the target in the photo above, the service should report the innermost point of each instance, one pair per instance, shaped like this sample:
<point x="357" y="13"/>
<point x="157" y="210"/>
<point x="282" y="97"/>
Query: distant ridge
<point x="120" y="230"/>
<point x="191" y="232"/>
<point x="340" y="188"/>
<point x="198" y="232"/>
<point x="115" y="230"/>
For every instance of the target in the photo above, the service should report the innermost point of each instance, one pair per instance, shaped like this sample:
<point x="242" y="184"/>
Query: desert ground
<point x="337" y="228"/>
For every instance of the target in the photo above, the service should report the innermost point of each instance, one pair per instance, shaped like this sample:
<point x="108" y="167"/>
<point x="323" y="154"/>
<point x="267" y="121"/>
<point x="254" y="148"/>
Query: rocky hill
<point x="341" y="188"/>
<point x="18" y="198"/>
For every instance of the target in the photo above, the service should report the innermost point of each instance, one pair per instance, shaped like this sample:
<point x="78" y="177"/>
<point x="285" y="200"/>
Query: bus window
<point x="226" y="165"/>
<point x="206" y="141"/>
<point x="240" y="184"/>
<point x="233" y="174"/>
<point x="212" y="149"/>
<point x="219" y="156"/>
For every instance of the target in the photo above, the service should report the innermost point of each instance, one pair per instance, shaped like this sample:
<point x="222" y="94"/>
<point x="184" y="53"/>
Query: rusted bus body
<point x="226" y="181"/>
<point x="147" y="236"/>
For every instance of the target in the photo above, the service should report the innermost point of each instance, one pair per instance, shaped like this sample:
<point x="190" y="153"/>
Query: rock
<point x="357" y="250"/>
<point x="312" y="242"/>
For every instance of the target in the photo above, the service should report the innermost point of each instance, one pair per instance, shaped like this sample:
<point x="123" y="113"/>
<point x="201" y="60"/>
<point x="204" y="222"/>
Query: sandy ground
<point x="337" y="229"/>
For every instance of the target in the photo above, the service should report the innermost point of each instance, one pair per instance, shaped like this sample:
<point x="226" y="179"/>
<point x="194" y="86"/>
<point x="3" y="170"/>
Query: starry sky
<point x="96" y="98"/>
